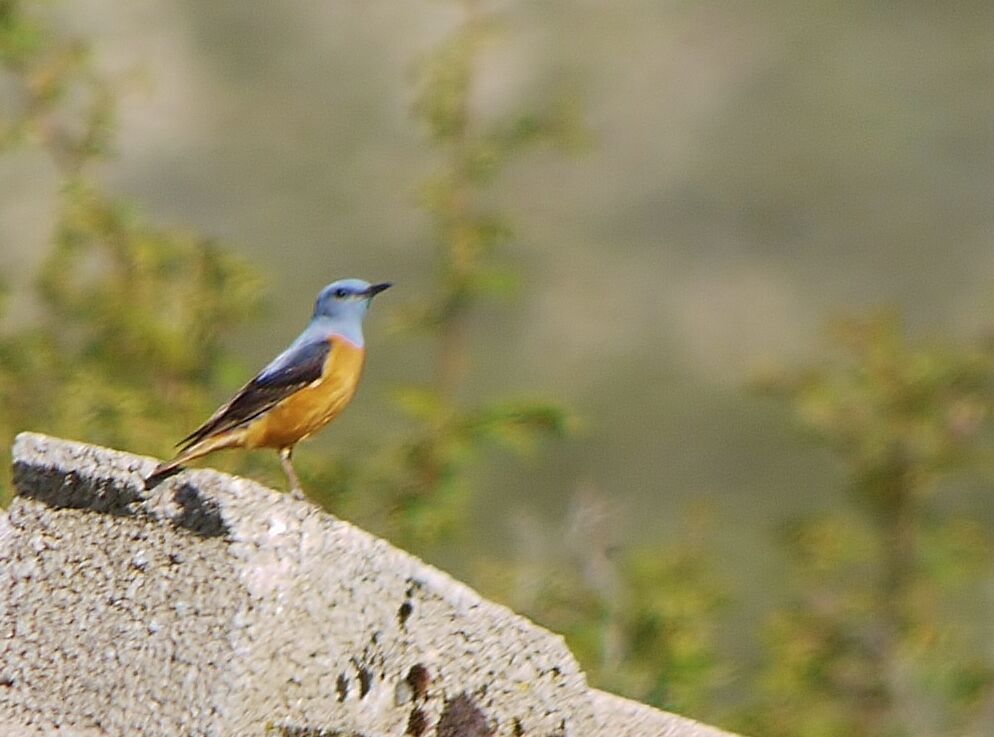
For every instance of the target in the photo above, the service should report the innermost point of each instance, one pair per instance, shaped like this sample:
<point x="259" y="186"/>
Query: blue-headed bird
<point x="299" y="392"/>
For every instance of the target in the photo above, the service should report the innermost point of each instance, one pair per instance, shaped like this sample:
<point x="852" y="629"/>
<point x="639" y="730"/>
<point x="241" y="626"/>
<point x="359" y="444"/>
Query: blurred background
<point x="689" y="355"/>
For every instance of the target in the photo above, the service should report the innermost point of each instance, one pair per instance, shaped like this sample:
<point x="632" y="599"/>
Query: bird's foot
<point x="296" y="490"/>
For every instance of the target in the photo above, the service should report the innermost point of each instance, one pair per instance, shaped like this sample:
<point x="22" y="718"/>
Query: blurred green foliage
<point x="644" y="621"/>
<point x="126" y="349"/>
<point x="873" y="640"/>
<point x="882" y="631"/>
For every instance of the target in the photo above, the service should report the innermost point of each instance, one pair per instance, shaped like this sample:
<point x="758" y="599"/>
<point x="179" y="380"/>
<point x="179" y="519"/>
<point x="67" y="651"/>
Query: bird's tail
<point x="161" y="473"/>
<point x="175" y="465"/>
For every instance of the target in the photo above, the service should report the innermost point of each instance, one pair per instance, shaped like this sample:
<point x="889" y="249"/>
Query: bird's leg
<point x="296" y="490"/>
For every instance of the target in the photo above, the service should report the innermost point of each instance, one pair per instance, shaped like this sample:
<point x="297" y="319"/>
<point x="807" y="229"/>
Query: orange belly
<point x="308" y="410"/>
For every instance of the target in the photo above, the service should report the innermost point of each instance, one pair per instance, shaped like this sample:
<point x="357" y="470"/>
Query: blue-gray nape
<point x="346" y="298"/>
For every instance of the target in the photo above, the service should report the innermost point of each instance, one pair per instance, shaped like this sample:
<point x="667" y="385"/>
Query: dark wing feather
<point x="275" y="383"/>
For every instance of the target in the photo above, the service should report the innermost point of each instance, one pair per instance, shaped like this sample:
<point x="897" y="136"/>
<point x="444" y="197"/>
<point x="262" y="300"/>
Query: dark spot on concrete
<point x="413" y="586"/>
<point x="198" y="514"/>
<point x="404" y="612"/>
<point x="519" y="731"/>
<point x="6" y="680"/>
<point x="365" y="682"/>
<point x="342" y="687"/>
<point x="418" y="679"/>
<point x="61" y="489"/>
<point x="461" y="717"/>
<point x="417" y="723"/>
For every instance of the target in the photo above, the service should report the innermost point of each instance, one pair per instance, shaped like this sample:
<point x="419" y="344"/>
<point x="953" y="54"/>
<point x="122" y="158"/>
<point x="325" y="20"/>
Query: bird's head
<point x="347" y="298"/>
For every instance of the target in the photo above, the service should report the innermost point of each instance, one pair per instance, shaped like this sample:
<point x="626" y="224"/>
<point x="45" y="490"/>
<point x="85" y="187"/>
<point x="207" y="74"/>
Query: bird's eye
<point x="340" y="293"/>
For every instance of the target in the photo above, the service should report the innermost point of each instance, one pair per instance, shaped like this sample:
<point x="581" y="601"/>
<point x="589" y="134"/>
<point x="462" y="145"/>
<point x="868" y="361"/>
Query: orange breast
<point x="308" y="410"/>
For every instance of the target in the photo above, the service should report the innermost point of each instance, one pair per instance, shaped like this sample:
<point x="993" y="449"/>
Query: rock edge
<point x="211" y="605"/>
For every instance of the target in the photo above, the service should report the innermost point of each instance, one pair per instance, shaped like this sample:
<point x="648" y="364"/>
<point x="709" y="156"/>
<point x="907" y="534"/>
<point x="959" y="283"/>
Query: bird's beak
<point x="375" y="289"/>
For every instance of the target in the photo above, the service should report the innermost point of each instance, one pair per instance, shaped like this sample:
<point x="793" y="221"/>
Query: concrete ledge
<point x="214" y="606"/>
<point x="615" y="715"/>
<point x="9" y="729"/>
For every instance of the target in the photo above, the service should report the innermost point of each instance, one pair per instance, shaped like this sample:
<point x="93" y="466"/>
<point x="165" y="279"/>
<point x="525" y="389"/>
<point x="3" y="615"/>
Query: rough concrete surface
<point x="625" y="718"/>
<point x="213" y="606"/>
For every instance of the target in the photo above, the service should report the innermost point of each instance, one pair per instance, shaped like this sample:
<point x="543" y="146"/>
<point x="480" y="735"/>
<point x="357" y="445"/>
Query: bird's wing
<point x="290" y="372"/>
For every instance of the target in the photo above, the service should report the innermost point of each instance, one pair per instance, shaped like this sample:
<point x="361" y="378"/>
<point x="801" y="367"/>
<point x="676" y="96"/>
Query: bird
<point x="299" y="392"/>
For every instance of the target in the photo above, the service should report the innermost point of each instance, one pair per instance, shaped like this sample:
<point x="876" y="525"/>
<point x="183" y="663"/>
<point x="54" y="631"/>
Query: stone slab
<point x="620" y="717"/>
<point x="211" y="605"/>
